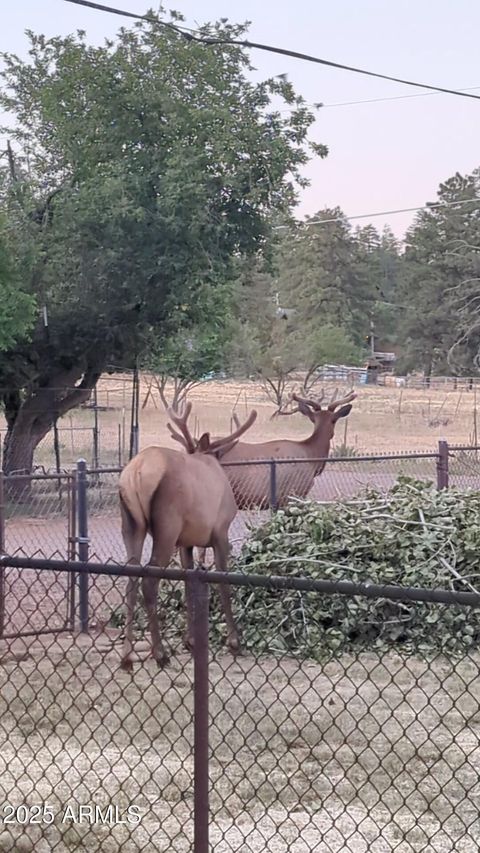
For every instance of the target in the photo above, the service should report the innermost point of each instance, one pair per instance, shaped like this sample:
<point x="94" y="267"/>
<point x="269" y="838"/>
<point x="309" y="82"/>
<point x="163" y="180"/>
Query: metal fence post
<point x="2" y="551"/>
<point x="200" y="597"/>
<point x="72" y="544"/>
<point x="83" y="541"/>
<point x="442" y="465"/>
<point x="273" y="485"/>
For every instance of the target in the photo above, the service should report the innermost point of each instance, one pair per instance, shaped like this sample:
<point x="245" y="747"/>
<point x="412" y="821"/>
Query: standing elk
<point x="251" y="483"/>
<point x="182" y="500"/>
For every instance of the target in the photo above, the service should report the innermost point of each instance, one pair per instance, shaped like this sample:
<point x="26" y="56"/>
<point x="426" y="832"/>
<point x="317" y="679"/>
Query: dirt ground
<point x="359" y="755"/>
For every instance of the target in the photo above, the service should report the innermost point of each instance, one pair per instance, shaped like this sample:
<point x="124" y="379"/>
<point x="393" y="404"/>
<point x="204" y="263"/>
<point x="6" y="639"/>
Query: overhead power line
<point x="189" y="35"/>
<point x="394" y="98"/>
<point x="427" y="206"/>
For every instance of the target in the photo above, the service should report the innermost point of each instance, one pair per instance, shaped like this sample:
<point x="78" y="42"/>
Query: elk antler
<point x="342" y="401"/>
<point x="304" y="405"/>
<point x="233" y="438"/>
<point x="316" y="405"/>
<point x="184" y="436"/>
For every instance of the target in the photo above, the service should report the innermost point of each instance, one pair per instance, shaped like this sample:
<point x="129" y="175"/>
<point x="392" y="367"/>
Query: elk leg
<point x="221" y="551"/>
<point x="150" y="598"/>
<point x="133" y="538"/>
<point x="186" y="556"/>
<point x="132" y="589"/>
<point x="162" y="552"/>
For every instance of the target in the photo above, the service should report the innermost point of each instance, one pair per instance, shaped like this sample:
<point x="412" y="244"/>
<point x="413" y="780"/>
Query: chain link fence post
<point x="442" y="465"/>
<point x="72" y="545"/>
<point x="83" y="541"/>
<point x="2" y="551"/>
<point x="200" y="596"/>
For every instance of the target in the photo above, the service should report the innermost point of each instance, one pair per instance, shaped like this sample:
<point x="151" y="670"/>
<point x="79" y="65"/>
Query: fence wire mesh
<point x="361" y="749"/>
<point x="464" y="467"/>
<point x="39" y="512"/>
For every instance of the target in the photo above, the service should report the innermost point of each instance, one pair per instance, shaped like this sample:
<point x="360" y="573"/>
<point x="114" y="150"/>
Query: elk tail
<point x="138" y="484"/>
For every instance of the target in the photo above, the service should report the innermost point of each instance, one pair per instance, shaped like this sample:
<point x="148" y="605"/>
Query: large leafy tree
<point x="17" y="308"/>
<point x="144" y="169"/>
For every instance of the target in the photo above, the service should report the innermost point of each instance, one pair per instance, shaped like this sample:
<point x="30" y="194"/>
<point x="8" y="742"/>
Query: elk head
<point x="324" y="420"/>
<point x="218" y="447"/>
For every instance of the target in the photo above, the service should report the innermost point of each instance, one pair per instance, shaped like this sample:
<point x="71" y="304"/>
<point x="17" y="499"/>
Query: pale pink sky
<point x="383" y="155"/>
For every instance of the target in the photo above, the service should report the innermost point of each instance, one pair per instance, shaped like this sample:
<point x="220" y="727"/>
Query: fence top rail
<point x="347" y="588"/>
<point x="60" y="475"/>
<point x="239" y="463"/>
<point x="329" y="459"/>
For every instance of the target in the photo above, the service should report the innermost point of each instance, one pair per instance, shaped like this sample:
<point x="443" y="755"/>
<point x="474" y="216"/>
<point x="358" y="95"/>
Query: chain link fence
<point x="464" y="466"/>
<point x="364" y="749"/>
<point x="38" y="511"/>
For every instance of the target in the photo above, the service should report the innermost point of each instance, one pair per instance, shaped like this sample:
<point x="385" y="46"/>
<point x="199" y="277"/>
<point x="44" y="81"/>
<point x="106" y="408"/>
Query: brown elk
<point x="182" y="500"/>
<point x="251" y="483"/>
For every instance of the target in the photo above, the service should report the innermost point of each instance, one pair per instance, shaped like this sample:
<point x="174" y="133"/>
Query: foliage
<point x="314" y="304"/>
<point x="327" y="344"/>
<point x="416" y="536"/>
<point x="16" y="307"/>
<point x="320" y="278"/>
<point x="194" y="353"/>
<point x="441" y="324"/>
<point x="144" y="170"/>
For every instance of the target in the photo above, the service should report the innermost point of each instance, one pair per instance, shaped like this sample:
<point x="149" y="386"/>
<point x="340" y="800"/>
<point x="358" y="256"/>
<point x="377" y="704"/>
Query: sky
<point x="385" y="154"/>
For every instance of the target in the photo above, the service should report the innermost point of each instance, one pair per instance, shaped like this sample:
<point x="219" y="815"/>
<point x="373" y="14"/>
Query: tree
<point x="441" y="291"/>
<point x="16" y="307"/>
<point x="184" y="360"/>
<point x="321" y="278"/>
<point x="143" y="170"/>
<point x="379" y="264"/>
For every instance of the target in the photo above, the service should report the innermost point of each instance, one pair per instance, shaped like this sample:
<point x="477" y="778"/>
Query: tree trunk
<point x="30" y="420"/>
<point x="19" y="447"/>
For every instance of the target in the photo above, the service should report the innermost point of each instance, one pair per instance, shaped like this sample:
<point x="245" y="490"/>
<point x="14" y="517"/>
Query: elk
<point x="251" y="483"/>
<point x="183" y="500"/>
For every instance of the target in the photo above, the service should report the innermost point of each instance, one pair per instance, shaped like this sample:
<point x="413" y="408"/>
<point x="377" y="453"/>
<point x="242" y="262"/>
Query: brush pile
<point x="414" y="536"/>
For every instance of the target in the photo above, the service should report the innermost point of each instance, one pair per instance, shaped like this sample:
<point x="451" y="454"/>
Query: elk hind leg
<point x="133" y="537"/>
<point x="161" y="555"/>
<point x="221" y="551"/>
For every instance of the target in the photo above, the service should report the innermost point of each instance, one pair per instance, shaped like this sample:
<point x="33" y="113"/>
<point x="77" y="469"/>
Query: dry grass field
<point x="383" y="419"/>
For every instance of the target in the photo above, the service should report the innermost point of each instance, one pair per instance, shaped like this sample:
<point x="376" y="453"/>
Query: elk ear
<point x="203" y="443"/>
<point x="342" y="413"/>
<point x="225" y="449"/>
<point x="306" y="410"/>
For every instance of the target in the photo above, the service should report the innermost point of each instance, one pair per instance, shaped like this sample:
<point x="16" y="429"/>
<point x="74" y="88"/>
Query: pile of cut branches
<point x="414" y="536"/>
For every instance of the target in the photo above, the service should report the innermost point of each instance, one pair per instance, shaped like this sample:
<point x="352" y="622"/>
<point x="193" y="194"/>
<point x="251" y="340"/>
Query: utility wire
<point x="393" y="98"/>
<point x="210" y="40"/>
<point x="428" y="206"/>
<point x="319" y="105"/>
